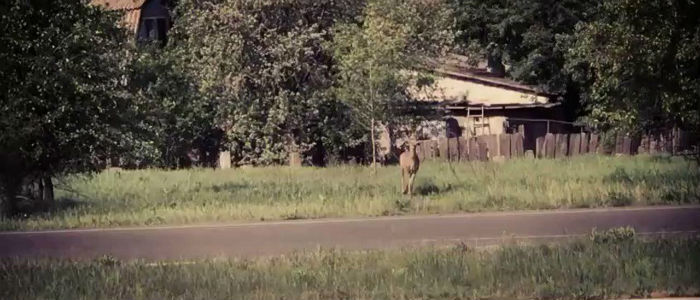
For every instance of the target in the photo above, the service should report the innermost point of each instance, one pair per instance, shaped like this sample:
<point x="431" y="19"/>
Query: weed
<point x="153" y="197"/>
<point x="582" y="269"/>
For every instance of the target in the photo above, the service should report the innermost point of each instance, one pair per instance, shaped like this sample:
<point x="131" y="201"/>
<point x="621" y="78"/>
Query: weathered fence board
<point x="504" y="139"/>
<point x="506" y="146"/>
<point x="442" y="149"/>
<point x="428" y="149"/>
<point x="539" y="147"/>
<point x="491" y="142"/>
<point x="516" y="145"/>
<point x="584" y="143"/>
<point x="550" y="147"/>
<point x="420" y="151"/>
<point x="453" y="149"/>
<point x="473" y="150"/>
<point x="619" y="144"/>
<point x="626" y="147"/>
<point x="562" y="146"/>
<point x="463" y="149"/>
<point x="520" y="144"/>
<point x="574" y="144"/>
<point x="594" y="143"/>
<point x="483" y="151"/>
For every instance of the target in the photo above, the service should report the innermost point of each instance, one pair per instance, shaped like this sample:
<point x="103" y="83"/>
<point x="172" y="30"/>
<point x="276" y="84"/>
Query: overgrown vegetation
<point x="265" y="78"/>
<point x="618" y="266"/>
<point x="151" y="197"/>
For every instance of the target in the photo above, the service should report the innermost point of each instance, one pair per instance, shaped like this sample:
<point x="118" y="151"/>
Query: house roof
<point x="460" y="67"/>
<point x="464" y="83"/>
<point x="119" y="4"/>
<point x="131" y="9"/>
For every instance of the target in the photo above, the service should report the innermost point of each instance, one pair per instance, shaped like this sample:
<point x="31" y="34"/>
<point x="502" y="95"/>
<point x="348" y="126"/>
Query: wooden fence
<point x="506" y="146"/>
<point x="482" y="148"/>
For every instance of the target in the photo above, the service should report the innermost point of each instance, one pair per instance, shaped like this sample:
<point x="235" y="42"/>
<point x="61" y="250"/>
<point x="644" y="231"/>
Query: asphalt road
<point x="273" y="238"/>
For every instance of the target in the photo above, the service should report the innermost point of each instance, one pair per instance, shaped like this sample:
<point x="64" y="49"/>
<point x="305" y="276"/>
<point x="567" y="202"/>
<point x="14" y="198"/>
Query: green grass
<point x="582" y="269"/>
<point x="154" y="197"/>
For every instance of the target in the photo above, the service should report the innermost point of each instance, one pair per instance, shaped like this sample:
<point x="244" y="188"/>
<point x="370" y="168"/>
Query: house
<point x="148" y="20"/>
<point x="477" y="99"/>
<point x="480" y="101"/>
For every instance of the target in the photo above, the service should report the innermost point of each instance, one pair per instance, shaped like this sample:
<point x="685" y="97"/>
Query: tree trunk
<point x="47" y="196"/>
<point x="8" y="198"/>
<point x="374" y="149"/>
<point x="39" y="190"/>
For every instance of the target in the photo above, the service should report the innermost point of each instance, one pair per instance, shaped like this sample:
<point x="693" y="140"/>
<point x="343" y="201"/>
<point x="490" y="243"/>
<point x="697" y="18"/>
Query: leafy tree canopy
<point x="264" y="67"/>
<point x="641" y="62"/>
<point x="63" y="104"/>
<point x="378" y="56"/>
<point x="531" y="37"/>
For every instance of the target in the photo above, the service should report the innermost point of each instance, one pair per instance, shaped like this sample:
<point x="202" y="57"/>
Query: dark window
<point x="154" y="29"/>
<point x="150" y="29"/>
<point x="162" y="30"/>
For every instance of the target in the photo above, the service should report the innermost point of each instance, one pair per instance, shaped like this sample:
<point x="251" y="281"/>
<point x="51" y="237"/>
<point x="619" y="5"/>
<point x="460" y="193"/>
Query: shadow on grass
<point x="428" y="187"/>
<point x="678" y="186"/>
<point x="653" y="177"/>
<point x="28" y="207"/>
<point x="228" y="187"/>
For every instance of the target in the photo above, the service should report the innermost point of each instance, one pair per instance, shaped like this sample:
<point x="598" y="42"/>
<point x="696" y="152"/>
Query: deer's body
<point x="409" y="167"/>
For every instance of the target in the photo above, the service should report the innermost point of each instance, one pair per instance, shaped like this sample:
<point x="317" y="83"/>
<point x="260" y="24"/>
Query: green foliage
<point x="152" y="197"/>
<point x="577" y="270"/>
<point x="530" y="36"/>
<point x="377" y="58"/>
<point x="263" y="66"/>
<point x="613" y="235"/>
<point x="175" y="116"/>
<point x="64" y="104"/>
<point x="640" y="60"/>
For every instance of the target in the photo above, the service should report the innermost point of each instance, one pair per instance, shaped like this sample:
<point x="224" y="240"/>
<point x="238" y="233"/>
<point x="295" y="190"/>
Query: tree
<point x="640" y="60"/>
<point x="531" y="37"/>
<point x="263" y="66"/>
<point x="64" y="104"/>
<point x="178" y="119"/>
<point x="377" y="59"/>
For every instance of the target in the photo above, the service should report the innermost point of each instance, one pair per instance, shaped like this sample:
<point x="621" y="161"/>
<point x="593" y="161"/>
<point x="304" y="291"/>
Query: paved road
<point x="271" y="238"/>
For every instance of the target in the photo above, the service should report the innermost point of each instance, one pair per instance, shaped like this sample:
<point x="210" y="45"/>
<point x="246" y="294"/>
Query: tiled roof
<point x="458" y="66"/>
<point x="119" y="4"/>
<point x="131" y="9"/>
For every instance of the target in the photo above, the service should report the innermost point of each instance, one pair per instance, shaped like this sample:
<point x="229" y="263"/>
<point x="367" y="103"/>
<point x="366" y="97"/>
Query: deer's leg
<point x="404" y="185"/>
<point x="410" y="183"/>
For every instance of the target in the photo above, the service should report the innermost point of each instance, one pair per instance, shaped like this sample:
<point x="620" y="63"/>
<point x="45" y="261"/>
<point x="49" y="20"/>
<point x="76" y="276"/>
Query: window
<point x="154" y="29"/>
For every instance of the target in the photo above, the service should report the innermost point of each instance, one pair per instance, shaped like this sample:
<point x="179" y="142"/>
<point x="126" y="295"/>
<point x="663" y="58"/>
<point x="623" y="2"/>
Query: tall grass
<point x="584" y="269"/>
<point x="150" y="197"/>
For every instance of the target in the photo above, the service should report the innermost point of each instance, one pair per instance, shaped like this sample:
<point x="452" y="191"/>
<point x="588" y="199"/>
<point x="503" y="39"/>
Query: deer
<point x="409" y="162"/>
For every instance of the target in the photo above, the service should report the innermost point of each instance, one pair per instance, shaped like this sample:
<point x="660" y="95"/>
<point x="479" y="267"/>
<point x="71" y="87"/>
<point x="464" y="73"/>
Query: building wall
<point x="472" y="126"/>
<point x="460" y="90"/>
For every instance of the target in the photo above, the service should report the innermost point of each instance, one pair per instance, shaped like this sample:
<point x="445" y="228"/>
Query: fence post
<point x="224" y="160"/>
<point x="453" y="149"/>
<point x="505" y="145"/>
<point x="562" y="145"/>
<point x="443" y="150"/>
<point x="550" y="145"/>
<point x="593" y="144"/>
<point x="574" y="144"/>
<point x="584" y="143"/>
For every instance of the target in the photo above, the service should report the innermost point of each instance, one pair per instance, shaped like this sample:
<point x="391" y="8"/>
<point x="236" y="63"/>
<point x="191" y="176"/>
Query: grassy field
<point x="154" y="197"/>
<point x="584" y="269"/>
